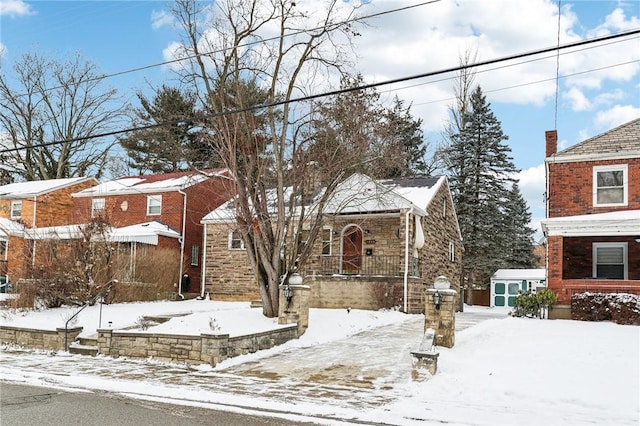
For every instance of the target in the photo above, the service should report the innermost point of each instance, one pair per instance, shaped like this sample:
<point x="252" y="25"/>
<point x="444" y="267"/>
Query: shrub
<point x="532" y="305"/>
<point x="621" y="308"/>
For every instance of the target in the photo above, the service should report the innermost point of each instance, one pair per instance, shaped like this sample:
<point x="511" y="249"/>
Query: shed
<point x="506" y="284"/>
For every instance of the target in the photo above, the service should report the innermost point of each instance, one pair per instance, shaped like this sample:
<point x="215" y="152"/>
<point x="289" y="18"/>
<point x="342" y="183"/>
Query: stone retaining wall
<point x="207" y="348"/>
<point x="38" y="339"/>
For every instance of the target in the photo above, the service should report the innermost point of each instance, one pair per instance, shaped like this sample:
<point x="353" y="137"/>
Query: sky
<point x="501" y="371"/>
<point x="598" y="86"/>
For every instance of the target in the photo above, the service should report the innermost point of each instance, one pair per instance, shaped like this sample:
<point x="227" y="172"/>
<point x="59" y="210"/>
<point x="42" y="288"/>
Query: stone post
<point x="441" y="317"/>
<point x="294" y="303"/>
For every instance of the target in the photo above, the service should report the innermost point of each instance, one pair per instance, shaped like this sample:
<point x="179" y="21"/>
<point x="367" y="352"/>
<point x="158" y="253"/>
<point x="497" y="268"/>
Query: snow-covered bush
<point x="621" y="308"/>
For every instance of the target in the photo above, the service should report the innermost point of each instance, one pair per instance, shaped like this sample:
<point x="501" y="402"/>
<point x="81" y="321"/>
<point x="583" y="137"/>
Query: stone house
<point x="382" y="244"/>
<point x="162" y="210"/>
<point x="593" y="215"/>
<point x="25" y="206"/>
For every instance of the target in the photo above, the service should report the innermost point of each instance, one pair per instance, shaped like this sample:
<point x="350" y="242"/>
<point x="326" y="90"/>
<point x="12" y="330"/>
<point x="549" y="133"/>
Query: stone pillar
<point x="104" y="341"/>
<point x="294" y="310"/>
<point x="214" y="348"/>
<point x="441" y="318"/>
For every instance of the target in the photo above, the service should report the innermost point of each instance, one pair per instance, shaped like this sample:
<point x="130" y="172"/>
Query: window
<point x="326" y="241"/>
<point x="610" y="260"/>
<point x="16" y="209"/>
<point x="97" y="207"/>
<point x="194" y="255"/>
<point x="444" y="208"/>
<point x="154" y="205"/>
<point x="610" y="185"/>
<point x="235" y="241"/>
<point x="452" y="251"/>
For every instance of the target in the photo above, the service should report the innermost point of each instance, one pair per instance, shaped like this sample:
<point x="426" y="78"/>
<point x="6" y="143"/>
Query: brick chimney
<point x="551" y="138"/>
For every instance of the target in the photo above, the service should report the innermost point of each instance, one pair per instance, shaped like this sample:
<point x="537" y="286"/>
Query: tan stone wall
<point x="205" y="348"/>
<point x="38" y="339"/>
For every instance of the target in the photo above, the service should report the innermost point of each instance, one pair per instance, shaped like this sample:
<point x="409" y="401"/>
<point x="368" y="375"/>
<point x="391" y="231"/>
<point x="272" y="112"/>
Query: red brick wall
<point x="571" y="187"/>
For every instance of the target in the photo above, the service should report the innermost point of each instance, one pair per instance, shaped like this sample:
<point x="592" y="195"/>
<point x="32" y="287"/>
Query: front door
<point x="351" y="250"/>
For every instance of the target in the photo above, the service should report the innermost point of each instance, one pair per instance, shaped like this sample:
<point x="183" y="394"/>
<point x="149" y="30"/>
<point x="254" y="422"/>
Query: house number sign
<point x="369" y="241"/>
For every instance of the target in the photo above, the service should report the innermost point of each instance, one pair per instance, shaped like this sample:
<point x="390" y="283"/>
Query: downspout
<point x="406" y="259"/>
<point x="184" y="224"/>
<point x="203" y="265"/>
<point x="33" y="225"/>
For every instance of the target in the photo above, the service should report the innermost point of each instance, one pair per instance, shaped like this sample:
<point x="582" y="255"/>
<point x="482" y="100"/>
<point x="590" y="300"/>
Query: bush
<point x="621" y="308"/>
<point x="532" y="305"/>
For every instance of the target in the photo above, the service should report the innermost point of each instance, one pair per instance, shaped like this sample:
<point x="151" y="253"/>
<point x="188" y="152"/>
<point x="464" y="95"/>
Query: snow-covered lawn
<point x="507" y="371"/>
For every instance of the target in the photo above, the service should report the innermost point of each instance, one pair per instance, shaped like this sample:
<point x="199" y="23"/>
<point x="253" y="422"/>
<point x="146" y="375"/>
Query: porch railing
<point x="386" y="266"/>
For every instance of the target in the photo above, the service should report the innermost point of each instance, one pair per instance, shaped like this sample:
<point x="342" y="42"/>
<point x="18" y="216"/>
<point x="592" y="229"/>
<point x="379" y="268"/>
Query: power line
<point x="248" y="44"/>
<point x="345" y="90"/>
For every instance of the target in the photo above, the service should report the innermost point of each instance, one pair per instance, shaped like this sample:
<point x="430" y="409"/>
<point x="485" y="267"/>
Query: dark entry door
<point x="352" y="250"/>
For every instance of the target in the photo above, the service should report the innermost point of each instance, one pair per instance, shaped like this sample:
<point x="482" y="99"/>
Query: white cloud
<point x="161" y="18"/>
<point x="532" y="186"/>
<point x="616" y="116"/>
<point x="577" y="99"/>
<point x="15" y="8"/>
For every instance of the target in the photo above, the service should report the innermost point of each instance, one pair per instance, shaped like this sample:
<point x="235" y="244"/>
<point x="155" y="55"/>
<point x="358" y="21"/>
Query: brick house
<point x="382" y="243"/>
<point x="593" y="215"/>
<point x="29" y="205"/>
<point x="163" y="209"/>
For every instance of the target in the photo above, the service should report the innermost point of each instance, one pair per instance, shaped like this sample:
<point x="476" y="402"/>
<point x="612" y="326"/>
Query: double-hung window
<point x="326" y="241"/>
<point x="235" y="241"/>
<point x="97" y="207"/>
<point x="16" y="209"/>
<point x="610" y="261"/>
<point x="610" y="185"/>
<point x="154" y="205"/>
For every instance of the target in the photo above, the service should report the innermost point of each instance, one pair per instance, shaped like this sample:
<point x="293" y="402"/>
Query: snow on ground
<point x="506" y="371"/>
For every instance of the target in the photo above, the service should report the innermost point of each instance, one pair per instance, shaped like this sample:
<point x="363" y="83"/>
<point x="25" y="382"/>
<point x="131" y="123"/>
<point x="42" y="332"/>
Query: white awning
<point x="618" y="223"/>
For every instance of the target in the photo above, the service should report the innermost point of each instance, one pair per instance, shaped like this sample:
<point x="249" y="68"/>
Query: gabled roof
<point x="39" y="187"/>
<point x="620" y="142"/>
<point x="359" y="194"/>
<point x="167" y="182"/>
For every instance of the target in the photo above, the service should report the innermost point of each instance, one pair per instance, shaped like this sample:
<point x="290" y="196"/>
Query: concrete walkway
<point x="362" y="371"/>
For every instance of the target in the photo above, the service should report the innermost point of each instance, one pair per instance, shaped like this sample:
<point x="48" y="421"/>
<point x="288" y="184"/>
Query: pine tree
<point x="519" y="253"/>
<point x="481" y="172"/>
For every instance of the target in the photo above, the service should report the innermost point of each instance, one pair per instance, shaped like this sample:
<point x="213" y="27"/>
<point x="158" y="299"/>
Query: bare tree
<point x="252" y="57"/>
<point x="49" y="101"/>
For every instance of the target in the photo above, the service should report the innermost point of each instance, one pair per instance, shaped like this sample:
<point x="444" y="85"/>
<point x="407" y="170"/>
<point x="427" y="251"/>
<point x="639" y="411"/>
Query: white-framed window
<point x="195" y="250"/>
<point x="444" y="208"/>
<point x="16" y="209"/>
<point x="610" y="185"/>
<point x="610" y="261"/>
<point x="326" y="241"/>
<point x="154" y="205"/>
<point x="97" y="206"/>
<point x="235" y="241"/>
<point x="452" y="251"/>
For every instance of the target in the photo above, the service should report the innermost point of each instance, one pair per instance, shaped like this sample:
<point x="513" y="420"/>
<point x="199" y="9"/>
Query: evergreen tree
<point x="172" y="146"/>
<point x="481" y="172"/>
<point x="519" y="253"/>
<point x="381" y="141"/>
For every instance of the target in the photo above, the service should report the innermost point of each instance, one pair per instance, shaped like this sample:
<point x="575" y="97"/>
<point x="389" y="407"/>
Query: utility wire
<point x="341" y="91"/>
<point x="248" y="44"/>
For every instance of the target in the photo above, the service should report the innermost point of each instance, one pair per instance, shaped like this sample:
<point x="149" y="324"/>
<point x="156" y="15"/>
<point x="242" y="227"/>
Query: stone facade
<point x="442" y="320"/>
<point x="228" y="275"/>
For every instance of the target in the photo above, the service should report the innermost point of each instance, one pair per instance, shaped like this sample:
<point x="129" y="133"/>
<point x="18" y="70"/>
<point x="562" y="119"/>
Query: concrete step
<point x="88" y="340"/>
<point x="77" y="348"/>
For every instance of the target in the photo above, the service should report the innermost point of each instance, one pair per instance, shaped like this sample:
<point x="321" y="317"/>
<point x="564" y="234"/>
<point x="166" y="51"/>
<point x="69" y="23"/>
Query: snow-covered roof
<point x="146" y="233"/>
<point x="167" y="182"/>
<point x="38" y="187"/>
<point x="361" y="194"/>
<point x="623" y="222"/>
<point x="519" y="274"/>
<point x="9" y="227"/>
